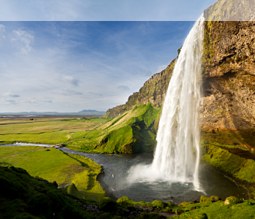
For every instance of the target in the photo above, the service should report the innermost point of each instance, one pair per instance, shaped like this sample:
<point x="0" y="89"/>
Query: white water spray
<point x="177" y="154"/>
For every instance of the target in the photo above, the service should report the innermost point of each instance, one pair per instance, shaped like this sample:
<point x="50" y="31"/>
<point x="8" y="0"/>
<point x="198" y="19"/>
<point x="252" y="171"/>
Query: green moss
<point x="218" y="210"/>
<point x="207" y="200"/>
<point x="232" y="164"/>
<point x="118" y="141"/>
<point x="228" y="139"/>
<point x="158" y="204"/>
<point x="207" y="50"/>
<point x="231" y="200"/>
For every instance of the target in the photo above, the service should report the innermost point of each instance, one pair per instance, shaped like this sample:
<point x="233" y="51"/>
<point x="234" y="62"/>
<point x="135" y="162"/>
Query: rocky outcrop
<point x="228" y="103"/>
<point x="153" y="92"/>
<point x="228" y="110"/>
<point x="231" y="10"/>
<point x="229" y="78"/>
<point x="229" y="82"/>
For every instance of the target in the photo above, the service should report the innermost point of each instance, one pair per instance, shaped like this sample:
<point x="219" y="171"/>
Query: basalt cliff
<point x="228" y="81"/>
<point x="228" y="103"/>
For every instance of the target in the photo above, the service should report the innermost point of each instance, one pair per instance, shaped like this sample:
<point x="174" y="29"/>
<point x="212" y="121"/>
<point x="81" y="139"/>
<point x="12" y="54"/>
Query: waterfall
<point x="177" y="154"/>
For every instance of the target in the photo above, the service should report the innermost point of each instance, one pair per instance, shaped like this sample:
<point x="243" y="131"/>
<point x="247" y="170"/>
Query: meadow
<point x="76" y="174"/>
<point x="45" y="130"/>
<point x="131" y="132"/>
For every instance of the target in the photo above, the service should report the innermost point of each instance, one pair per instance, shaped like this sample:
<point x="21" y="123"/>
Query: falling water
<point x="177" y="154"/>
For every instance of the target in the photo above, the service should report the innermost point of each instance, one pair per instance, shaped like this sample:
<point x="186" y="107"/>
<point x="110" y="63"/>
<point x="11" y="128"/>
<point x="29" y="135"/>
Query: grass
<point x="219" y="210"/>
<point x="121" y="134"/>
<point x="206" y="208"/>
<point x="133" y="131"/>
<point x="22" y="196"/>
<point x="53" y="165"/>
<point x="45" y="130"/>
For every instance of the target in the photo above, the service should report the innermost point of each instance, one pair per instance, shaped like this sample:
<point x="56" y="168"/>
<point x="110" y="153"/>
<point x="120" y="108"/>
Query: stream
<point x="116" y="169"/>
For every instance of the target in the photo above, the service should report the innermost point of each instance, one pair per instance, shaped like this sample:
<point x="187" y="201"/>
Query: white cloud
<point x="23" y="40"/>
<point x="10" y="95"/>
<point x="52" y="67"/>
<point x="71" y="80"/>
<point x="102" y="10"/>
<point x="2" y="31"/>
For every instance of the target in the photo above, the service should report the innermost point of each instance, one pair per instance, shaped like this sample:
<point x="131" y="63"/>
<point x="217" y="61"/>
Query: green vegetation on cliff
<point x="230" y="208"/>
<point x="132" y="132"/>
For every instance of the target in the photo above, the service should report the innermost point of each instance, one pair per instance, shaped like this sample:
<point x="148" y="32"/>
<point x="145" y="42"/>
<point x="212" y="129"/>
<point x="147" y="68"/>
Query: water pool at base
<point x="114" y="180"/>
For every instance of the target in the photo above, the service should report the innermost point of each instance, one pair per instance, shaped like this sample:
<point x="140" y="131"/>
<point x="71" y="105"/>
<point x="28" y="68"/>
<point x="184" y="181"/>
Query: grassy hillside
<point x="132" y="132"/>
<point x="53" y="165"/>
<point x="22" y="196"/>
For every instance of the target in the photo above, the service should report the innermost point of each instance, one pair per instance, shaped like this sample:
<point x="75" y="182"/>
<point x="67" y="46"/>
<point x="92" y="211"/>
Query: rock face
<point x="153" y="92"/>
<point x="231" y="10"/>
<point x="228" y="110"/>
<point x="229" y="81"/>
<point x="228" y="104"/>
<point x="229" y="77"/>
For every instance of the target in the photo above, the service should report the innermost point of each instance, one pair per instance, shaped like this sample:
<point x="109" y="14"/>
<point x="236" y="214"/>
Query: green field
<point x="131" y="132"/>
<point x="45" y="130"/>
<point x="73" y="172"/>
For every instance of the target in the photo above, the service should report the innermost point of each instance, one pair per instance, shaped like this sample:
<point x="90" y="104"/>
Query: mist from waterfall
<point x="177" y="154"/>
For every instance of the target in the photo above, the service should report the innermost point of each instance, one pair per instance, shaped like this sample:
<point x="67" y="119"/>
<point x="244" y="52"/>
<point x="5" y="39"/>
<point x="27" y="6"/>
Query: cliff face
<point x="229" y="77"/>
<point x="229" y="81"/>
<point x="228" y="110"/>
<point x="153" y="92"/>
<point x="228" y="103"/>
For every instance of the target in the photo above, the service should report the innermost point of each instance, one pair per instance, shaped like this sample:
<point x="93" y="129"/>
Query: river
<point x="116" y="168"/>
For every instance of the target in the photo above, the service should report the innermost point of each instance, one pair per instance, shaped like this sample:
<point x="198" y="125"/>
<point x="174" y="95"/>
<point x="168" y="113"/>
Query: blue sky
<point x="75" y="65"/>
<point x="101" y="10"/>
<point x="70" y="66"/>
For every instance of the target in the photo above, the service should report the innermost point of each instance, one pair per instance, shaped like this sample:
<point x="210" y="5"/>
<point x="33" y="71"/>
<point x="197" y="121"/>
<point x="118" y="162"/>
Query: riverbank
<point x="22" y="196"/>
<point x="115" y="175"/>
<point x="77" y="174"/>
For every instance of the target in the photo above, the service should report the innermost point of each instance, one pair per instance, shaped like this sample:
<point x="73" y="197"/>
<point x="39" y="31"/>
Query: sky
<point x="102" y="10"/>
<point x="69" y="66"/>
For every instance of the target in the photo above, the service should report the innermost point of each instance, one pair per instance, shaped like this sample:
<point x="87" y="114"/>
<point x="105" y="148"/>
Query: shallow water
<point x="116" y="169"/>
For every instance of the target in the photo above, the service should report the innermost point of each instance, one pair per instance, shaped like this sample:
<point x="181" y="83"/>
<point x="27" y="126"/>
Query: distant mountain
<point x="91" y="112"/>
<point x="38" y="114"/>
